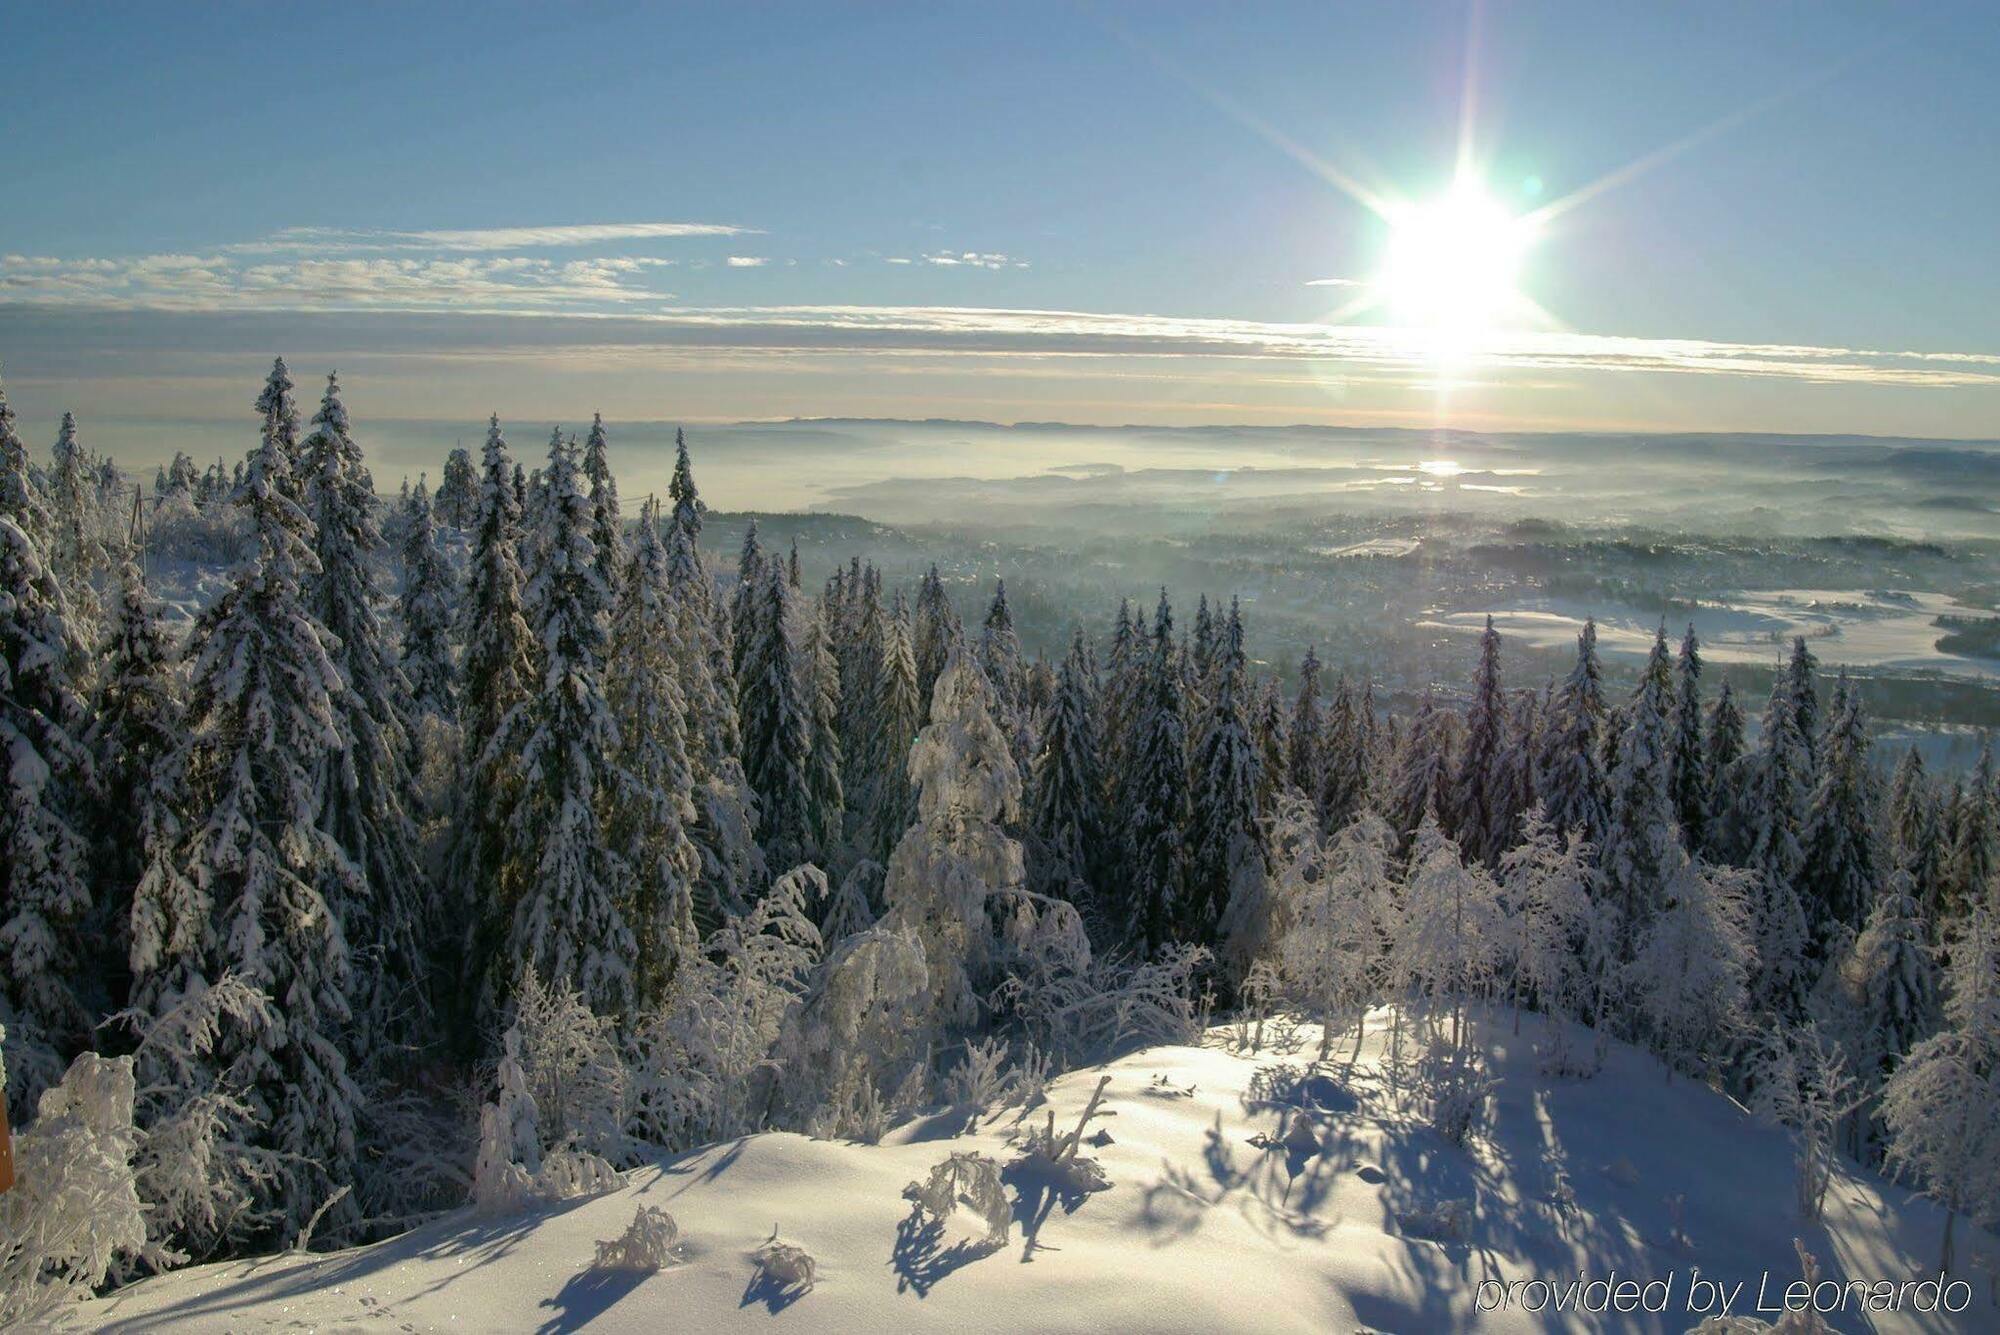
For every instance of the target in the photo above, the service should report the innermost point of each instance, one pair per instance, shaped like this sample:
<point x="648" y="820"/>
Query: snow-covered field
<point x="1859" y="628"/>
<point x="1621" y="1177"/>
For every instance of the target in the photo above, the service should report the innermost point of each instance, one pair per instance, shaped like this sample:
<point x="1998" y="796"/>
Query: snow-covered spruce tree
<point x="745" y="604"/>
<point x="607" y="525"/>
<point x="573" y="891"/>
<point x="75" y="553"/>
<point x="1066" y="822"/>
<point x="1889" y="984"/>
<point x="777" y="718"/>
<point x="1446" y="942"/>
<point x="1331" y="913"/>
<point x="1723" y="747"/>
<point x="860" y="625"/>
<point x="1344" y="757"/>
<point x="21" y="498"/>
<point x="1419" y="785"/>
<point x="826" y="812"/>
<point x="1801" y="683"/>
<point x="499" y="671"/>
<point x="888" y="805"/>
<point x="1227" y="869"/>
<point x="1470" y="813"/>
<point x="1514" y="770"/>
<point x="1640" y="841"/>
<point x="458" y="490"/>
<point x="365" y="783"/>
<point x="653" y="807"/>
<point x="853" y="1049"/>
<point x="1305" y="762"/>
<point x="1688" y="773"/>
<point x="1687" y="981"/>
<point x="1975" y="846"/>
<point x="1118" y="708"/>
<point x="1571" y="779"/>
<point x="1769" y="812"/>
<point x="1942" y="1106"/>
<point x="725" y="825"/>
<point x="1271" y="729"/>
<point x="1841" y="873"/>
<point x="428" y="604"/>
<point x="957" y="858"/>
<point x="1545" y="881"/>
<point x="935" y="631"/>
<point x="999" y="651"/>
<point x="263" y="719"/>
<point x="1914" y="838"/>
<point x="135" y="729"/>
<point x="44" y="890"/>
<point x="1153" y="796"/>
<point x="280" y="412"/>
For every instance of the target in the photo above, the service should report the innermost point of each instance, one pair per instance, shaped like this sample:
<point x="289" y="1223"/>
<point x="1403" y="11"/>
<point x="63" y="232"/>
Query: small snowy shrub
<point x="1446" y="1221"/>
<point x="1803" y="1085"/>
<point x="977" y="1080"/>
<point x="572" y="1067"/>
<point x="646" y="1245"/>
<point x="1460" y="1089"/>
<point x="786" y="1267"/>
<point x="972" y="1180"/>
<point x="570" y="1174"/>
<point x="74" y="1209"/>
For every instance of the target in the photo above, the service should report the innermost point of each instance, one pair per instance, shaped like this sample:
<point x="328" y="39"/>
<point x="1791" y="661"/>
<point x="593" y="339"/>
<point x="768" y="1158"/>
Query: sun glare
<point x="1453" y="264"/>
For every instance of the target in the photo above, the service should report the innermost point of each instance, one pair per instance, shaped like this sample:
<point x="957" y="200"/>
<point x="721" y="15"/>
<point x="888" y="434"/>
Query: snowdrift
<point x="1348" y="1214"/>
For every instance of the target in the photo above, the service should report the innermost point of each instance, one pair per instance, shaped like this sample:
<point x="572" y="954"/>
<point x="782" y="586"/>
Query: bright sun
<point x="1453" y="264"/>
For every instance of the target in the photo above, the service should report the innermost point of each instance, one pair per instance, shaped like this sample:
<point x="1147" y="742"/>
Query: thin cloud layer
<point x="325" y="239"/>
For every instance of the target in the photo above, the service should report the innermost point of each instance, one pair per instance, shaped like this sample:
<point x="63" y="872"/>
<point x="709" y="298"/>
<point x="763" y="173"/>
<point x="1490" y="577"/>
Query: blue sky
<point x="767" y="210"/>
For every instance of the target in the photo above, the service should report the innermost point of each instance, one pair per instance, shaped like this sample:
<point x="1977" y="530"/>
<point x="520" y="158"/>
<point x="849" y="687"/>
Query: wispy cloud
<point x="616" y="298"/>
<point x="1336" y="282"/>
<point x="748" y="261"/>
<point x="323" y="240"/>
<point x="971" y="259"/>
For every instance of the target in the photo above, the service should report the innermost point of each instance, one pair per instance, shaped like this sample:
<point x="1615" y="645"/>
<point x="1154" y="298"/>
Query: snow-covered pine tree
<point x="777" y="718"/>
<point x="1154" y="797"/>
<point x="1688" y="978"/>
<point x="745" y="604"/>
<point x="1470" y="814"/>
<point x="888" y="804"/>
<point x="499" y="671"/>
<point x="21" y="498"/>
<point x="1841" y="874"/>
<point x="1942" y="1106"/>
<point x="725" y="826"/>
<point x="999" y="650"/>
<point x="1344" y="757"/>
<point x="1801" y="682"/>
<point x="428" y="604"/>
<point x="263" y="719"/>
<point x="1331" y="913"/>
<point x="933" y="635"/>
<point x="1688" y="772"/>
<point x="1306" y="762"/>
<point x="826" y="815"/>
<point x="957" y="859"/>
<point x="1065" y="792"/>
<point x="1446" y="943"/>
<point x="365" y="784"/>
<point x="1271" y="728"/>
<point x="1227" y="865"/>
<point x="280" y="412"/>
<point x="860" y="643"/>
<point x="1422" y="773"/>
<point x="607" y="525"/>
<point x="573" y="891"/>
<point x="1915" y="840"/>
<point x="1126" y="660"/>
<point x="652" y="807"/>
<point x="1975" y="845"/>
<point x="1773" y="793"/>
<point x="135" y="729"/>
<point x="1545" y="880"/>
<point x="1640" y="842"/>
<point x="75" y="553"/>
<point x="1514" y="771"/>
<point x="1722" y="748"/>
<point x="1889" y="982"/>
<point x="457" y="499"/>
<point x="44" y="890"/>
<point x="1570" y="778"/>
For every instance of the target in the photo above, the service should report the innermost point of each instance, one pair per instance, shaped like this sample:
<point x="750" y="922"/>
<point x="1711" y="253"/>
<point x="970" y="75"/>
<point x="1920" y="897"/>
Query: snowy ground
<point x="1200" y="1231"/>
<point x="1857" y="628"/>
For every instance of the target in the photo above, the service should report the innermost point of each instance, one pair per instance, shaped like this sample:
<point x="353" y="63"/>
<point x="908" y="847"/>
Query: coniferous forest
<point x="477" y="844"/>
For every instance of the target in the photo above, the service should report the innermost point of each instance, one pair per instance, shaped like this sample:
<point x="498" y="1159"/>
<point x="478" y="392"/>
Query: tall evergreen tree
<point x="1065" y="792"/>
<point x="1914" y="832"/>
<point x="1344" y="758"/>
<point x="74" y="553"/>
<point x="826" y="802"/>
<point x="1227" y="850"/>
<point x="1271" y="729"/>
<point x="573" y="890"/>
<point x="887" y="805"/>
<point x="21" y="498"/>
<point x="778" y="724"/>
<point x="1472" y="819"/>
<point x="1840" y="877"/>
<point x="280" y="412"/>
<point x="1640" y="847"/>
<point x="744" y="606"/>
<point x="936" y="630"/>
<point x="1722" y="748"/>
<point x="429" y="597"/>
<point x="1000" y="658"/>
<point x="457" y="500"/>
<point x="652" y="807"/>
<point x="264" y="719"/>
<point x="1688" y="766"/>
<point x="365" y="782"/>
<point x="1975" y="845"/>
<point x="1306" y="762"/>
<point x="1570" y="778"/>
<point x="607" y="528"/>
<point x="1153" y="796"/>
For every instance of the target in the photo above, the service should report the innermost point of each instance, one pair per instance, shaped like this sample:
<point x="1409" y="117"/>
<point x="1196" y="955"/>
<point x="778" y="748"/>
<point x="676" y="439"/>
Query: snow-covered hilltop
<point x="1221" y="1214"/>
